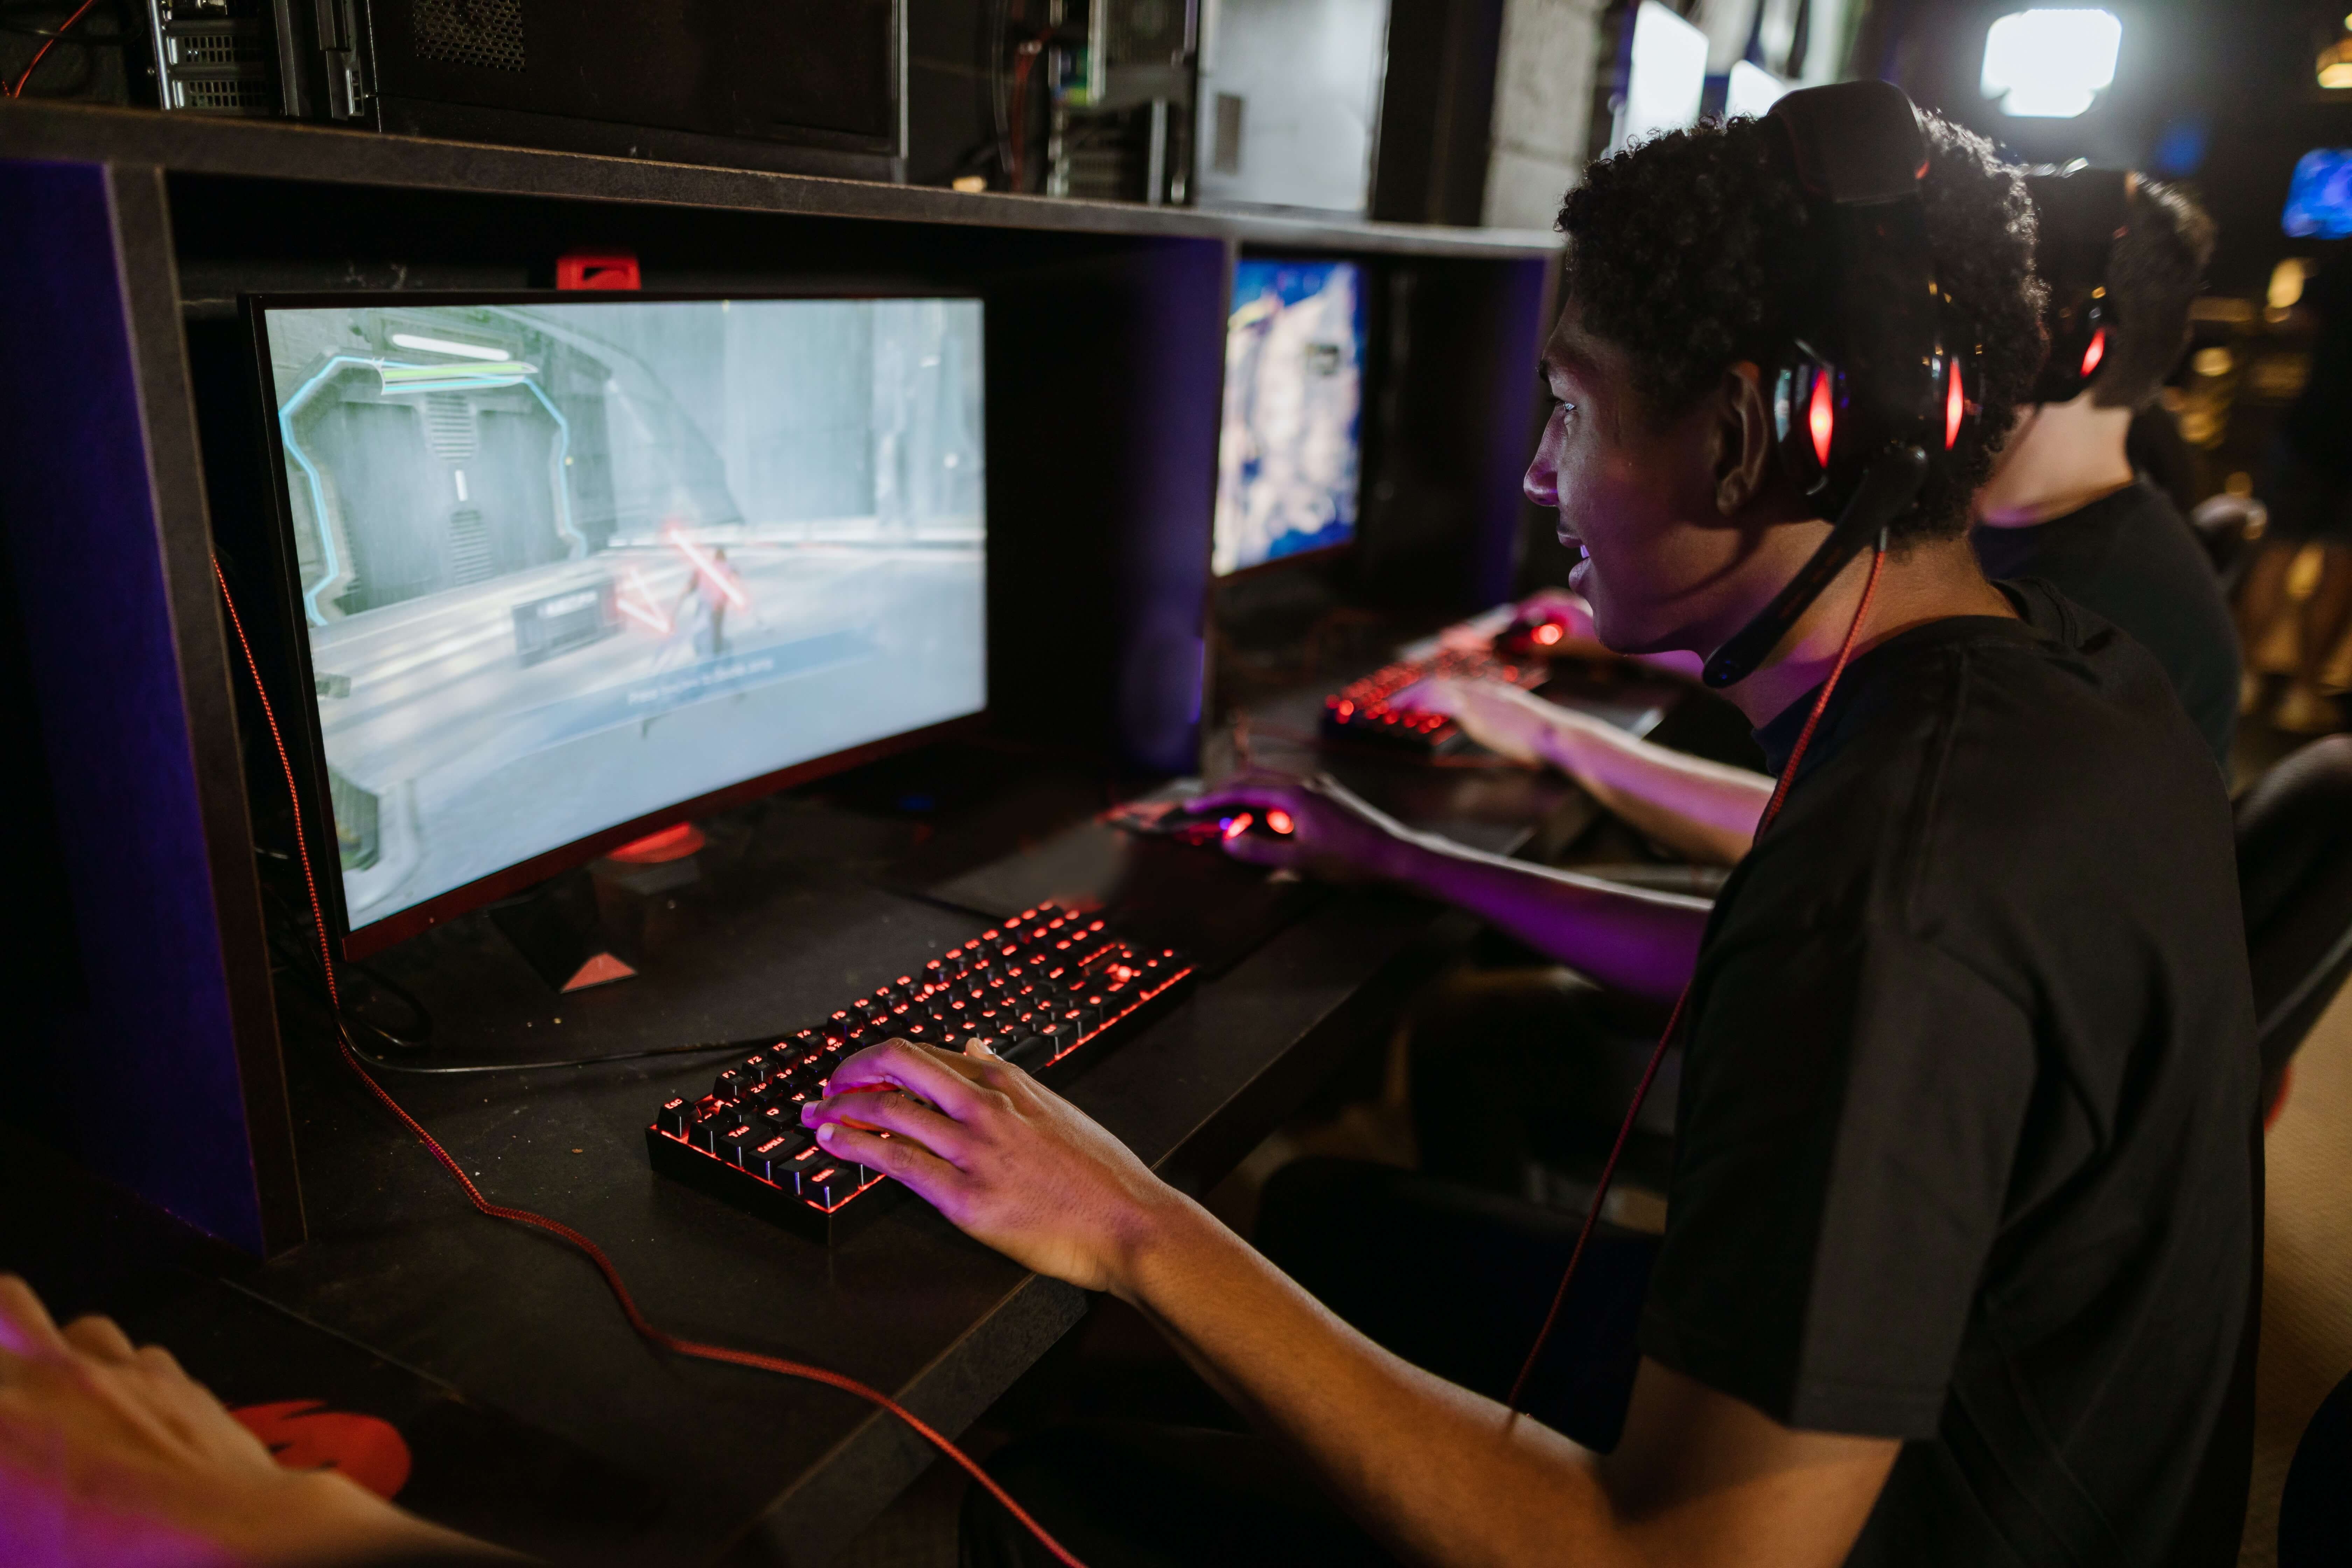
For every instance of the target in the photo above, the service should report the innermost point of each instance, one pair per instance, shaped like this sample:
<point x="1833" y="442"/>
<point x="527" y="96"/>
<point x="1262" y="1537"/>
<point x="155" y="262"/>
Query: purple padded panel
<point x="1163" y="556"/>
<point x="137" y="1078"/>
<point x="1521" y="330"/>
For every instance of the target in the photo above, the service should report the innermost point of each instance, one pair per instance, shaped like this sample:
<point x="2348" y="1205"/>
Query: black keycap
<point x="771" y="1158"/>
<point x="788" y="1172"/>
<point x="1029" y="1051"/>
<point x="731" y="1144"/>
<point x="780" y="1118"/>
<point x="731" y="1083"/>
<point x="674" y="1116"/>
<point x="831" y="1185"/>
<point x="759" y="1096"/>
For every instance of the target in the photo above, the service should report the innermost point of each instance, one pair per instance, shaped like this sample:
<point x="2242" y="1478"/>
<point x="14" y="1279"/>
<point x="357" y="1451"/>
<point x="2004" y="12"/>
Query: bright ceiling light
<point x="1751" y="90"/>
<point x="443" y="346"/>
<point x="2051" y="65"/>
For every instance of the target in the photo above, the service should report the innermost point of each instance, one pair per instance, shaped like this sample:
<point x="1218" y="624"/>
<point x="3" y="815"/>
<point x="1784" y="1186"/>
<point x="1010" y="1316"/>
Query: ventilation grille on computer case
<point x="486" y="33"/>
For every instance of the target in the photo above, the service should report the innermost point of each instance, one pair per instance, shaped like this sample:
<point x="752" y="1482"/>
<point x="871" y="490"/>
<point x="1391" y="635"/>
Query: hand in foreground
<point x="1567" y="606"/>
<point x="1007" y="1160"/>
<point x="113" y="1454"/>
<point x="1505" y="719"/>
<point x="1334" y="833"/>
<point x="1581" y="635"/>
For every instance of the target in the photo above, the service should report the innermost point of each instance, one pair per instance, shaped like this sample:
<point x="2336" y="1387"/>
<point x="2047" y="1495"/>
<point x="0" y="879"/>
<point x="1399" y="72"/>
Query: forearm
<point x="1641" y="943"/>
<point x="1698" y="806"/>
<point x="1442" y="1474"/>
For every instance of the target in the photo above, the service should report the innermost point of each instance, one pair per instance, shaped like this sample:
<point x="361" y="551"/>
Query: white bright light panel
<point x="1751" y="90"/>
<point x="2051" y="65"/>
<point x="1669" y="77"/>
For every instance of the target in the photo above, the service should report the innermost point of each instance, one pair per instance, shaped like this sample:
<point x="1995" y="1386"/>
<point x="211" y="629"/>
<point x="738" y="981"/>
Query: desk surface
<point x="708" y="1458"/>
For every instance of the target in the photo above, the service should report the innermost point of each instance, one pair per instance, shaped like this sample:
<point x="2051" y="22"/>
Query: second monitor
<point x="1288" y="462"/>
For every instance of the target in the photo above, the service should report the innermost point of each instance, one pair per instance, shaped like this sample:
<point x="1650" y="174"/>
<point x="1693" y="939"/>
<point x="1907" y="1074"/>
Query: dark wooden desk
<point x="712" y="1460"/>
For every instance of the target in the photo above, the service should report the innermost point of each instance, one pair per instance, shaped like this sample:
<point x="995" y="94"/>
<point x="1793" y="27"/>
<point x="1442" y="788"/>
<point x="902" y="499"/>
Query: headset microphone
<point x="1881" y="373"/>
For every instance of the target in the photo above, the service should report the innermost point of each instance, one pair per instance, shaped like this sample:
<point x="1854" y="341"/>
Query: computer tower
<point x="1121" y="125"/>
<point x="1378" y="108"/>
<point x="814" y="86"/>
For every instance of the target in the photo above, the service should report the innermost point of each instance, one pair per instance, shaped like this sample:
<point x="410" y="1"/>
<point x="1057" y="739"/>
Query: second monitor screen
<point x="566" y="565"/>
<point x="1286" y="456"/>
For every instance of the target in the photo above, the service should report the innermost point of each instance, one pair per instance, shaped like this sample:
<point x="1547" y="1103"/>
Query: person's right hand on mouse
<point x="110" y="1454"/>
<point x="1581" y="635"/>
<point x="1334" y="833"/>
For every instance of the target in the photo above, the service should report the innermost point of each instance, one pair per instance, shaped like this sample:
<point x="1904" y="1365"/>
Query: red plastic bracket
<point x="596" y="270"/>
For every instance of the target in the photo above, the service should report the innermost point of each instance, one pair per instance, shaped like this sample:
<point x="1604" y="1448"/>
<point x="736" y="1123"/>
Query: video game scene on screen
<point x="565" y="565"/>
<point x="1287" y="455"/>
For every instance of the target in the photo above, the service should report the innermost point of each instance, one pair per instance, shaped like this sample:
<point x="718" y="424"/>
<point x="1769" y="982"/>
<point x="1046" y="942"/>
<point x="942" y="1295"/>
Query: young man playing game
<point x="1959" y="1243"/>
<point x="1961" y="1235"/>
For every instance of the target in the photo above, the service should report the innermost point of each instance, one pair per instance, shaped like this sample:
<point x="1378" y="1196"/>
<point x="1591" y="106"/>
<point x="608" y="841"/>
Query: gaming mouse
<point x="1189" y="824"/>
<point x="1540" y="629"/>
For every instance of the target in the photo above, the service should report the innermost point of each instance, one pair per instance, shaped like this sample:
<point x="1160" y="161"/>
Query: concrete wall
<point x="1543" y="108"/>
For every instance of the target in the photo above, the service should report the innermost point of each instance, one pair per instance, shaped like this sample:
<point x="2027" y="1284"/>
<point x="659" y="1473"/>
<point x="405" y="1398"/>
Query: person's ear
<point x="1744" y="439"/>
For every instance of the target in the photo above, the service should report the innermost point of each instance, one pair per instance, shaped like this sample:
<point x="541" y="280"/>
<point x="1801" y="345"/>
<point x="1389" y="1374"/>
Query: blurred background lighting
<point x="2335" y="67"/>
<point x="1668" y="76"/>
<point x="2051" y="65"/>
<point x="1752" y="90"/>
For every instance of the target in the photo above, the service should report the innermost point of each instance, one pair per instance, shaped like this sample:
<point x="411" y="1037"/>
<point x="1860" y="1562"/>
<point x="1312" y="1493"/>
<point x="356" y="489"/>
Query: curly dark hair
<point x="1684" y="250"/>
<point x="2154" y="272"/>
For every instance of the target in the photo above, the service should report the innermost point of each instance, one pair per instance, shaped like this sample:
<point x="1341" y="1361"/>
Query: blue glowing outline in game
<point x="287" y="410"/>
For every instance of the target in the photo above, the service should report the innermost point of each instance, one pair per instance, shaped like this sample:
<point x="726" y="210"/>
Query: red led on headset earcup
<point x="1806" y="401"/>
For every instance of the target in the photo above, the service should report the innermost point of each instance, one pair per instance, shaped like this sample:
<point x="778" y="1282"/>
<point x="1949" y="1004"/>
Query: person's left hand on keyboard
<point x="1004" y="1157"/>
<point x="1505" y="719"/>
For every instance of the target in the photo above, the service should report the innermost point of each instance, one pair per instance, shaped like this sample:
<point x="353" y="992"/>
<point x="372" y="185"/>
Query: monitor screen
<point x="2319" y="202"/>
<point x="1286" y="456"/>
<point x="565" y="565"/>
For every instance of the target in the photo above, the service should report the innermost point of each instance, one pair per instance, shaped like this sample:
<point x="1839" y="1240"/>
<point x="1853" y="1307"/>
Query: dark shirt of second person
<point x="2130" y="559"/>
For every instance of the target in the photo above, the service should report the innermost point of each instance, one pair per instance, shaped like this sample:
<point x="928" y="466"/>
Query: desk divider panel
<point x="156" y="1064"/>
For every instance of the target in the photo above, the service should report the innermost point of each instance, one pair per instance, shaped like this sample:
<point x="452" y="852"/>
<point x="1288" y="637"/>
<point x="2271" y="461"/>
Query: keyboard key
<point x="833" y="1185"/>
<point x="674" y="1116"/>
<point x="771" y="1158"/>
<point x="1028" y="1051"/>
<point x="731" y="1144"/>
<point x="731" y="1081"/>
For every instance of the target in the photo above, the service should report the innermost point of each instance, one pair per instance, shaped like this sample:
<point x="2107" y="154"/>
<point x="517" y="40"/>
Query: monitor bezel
<point x="1321" y="554"/>
<point x="316" y="811"/>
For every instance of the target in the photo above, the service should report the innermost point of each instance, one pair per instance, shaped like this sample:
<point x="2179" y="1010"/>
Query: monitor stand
<point x="575" y="942"/>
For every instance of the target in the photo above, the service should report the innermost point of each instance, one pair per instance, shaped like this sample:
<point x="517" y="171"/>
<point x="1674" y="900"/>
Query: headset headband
<point x="1866" y="389"/>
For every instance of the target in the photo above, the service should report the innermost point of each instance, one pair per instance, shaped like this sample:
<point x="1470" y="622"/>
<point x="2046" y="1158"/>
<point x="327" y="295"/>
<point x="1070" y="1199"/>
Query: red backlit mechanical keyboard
<point x="1361" y="712"/>
<point x="1038" y="987"/>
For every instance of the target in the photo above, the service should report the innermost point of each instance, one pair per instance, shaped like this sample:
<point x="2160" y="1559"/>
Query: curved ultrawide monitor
<point x="568" y="568"/>
<point x="1287" y="454"/>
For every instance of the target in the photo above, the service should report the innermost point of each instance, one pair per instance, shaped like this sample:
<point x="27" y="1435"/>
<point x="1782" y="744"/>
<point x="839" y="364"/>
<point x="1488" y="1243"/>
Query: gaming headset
<point x="2084" y="213"/>
<point x="1881" y="374"/>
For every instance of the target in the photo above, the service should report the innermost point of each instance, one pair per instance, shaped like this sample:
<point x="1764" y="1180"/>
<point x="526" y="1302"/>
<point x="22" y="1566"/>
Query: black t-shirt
<point x="2130" y="559"/>
<point x="1965" y="1151"/>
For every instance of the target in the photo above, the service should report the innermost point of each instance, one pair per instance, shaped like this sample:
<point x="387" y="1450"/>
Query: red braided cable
<point x="595" y="1254"/>
<point x="1674" y="1018"/>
